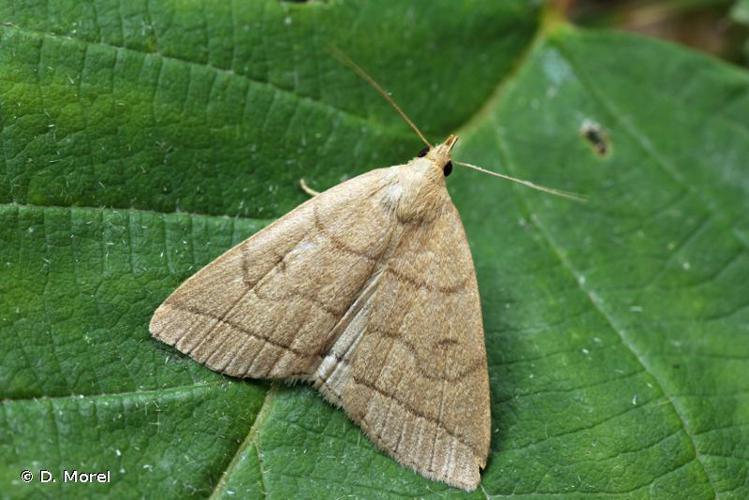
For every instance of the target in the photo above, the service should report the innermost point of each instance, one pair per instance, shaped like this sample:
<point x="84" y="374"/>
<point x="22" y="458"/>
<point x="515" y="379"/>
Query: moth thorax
<point x="418" y="191"/>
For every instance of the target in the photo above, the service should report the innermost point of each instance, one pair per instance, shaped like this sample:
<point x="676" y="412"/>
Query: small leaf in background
<point x="141" y="141"/>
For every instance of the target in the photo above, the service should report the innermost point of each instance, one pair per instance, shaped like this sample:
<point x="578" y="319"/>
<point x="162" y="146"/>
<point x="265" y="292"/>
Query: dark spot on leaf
<point x="448" y="168"/>
<point x="676" y="367"/>
<point x="596" y="137"/>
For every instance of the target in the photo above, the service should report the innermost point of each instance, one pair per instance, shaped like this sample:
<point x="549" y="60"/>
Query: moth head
<point x="439" y="155"/>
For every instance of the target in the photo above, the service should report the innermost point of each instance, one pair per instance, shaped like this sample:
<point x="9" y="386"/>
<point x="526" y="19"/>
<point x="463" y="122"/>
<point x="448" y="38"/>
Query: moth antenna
<point x="557" y="192"/>
<point x="346" y="60"/>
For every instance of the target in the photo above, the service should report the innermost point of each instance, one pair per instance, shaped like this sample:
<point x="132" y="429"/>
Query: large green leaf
<point x="617" y="331"/>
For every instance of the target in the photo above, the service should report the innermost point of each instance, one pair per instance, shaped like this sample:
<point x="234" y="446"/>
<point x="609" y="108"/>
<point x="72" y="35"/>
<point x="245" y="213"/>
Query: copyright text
<point x="68" y="476"/>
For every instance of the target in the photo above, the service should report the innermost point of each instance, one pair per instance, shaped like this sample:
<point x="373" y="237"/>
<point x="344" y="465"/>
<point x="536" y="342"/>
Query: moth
<point x="368" y="292"/>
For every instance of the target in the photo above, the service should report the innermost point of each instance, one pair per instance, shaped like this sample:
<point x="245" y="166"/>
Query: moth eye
<point x="423" y="152"/>
<point x="447" y="168"/>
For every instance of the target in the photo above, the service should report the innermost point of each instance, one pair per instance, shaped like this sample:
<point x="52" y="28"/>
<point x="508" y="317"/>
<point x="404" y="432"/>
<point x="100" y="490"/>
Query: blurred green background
<point x="718" y="27"/>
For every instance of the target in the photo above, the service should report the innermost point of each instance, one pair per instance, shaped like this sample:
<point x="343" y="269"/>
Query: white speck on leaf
<point x="556" y="68"/>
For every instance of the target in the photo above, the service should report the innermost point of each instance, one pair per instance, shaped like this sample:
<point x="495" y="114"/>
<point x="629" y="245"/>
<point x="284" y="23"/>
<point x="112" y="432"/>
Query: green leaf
<point x="140" y="140"/>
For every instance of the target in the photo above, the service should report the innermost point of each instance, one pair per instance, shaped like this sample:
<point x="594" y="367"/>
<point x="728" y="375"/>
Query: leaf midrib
<point x="178" y="390"/>
<point x="250" y="440"/>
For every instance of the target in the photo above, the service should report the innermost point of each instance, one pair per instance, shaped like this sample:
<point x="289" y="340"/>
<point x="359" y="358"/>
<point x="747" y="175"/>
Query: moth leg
<point x="307" y="189"/>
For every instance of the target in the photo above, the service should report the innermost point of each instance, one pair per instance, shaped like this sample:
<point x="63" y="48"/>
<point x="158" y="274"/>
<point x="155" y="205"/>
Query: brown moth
<point x="368" y="292"/>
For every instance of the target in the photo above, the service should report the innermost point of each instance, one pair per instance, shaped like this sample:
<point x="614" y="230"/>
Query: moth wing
<point x="267" y="308"/>
<point x="410" y="365"/>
